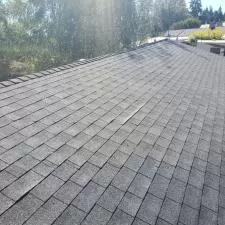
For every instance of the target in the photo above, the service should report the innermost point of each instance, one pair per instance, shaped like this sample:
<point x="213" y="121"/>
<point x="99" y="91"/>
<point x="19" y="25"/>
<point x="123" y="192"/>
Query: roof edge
<point x="21" y="79"/>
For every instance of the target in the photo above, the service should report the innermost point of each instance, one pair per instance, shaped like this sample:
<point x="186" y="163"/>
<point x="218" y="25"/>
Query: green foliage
<point x="47" y="33"/>
<point x="186" y="24"/>
<point x="208" y="15"/>
<point x="196" y="7"/>
<point x="208" y="34"/>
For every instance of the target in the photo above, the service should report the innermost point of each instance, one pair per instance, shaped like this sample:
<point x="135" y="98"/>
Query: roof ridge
<point x="21" y="79"/>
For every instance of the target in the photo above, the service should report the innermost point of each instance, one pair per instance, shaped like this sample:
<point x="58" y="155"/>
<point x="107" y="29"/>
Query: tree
<point x="196" y="7"/>
<point x="220" y="14"/>
<point x="128" y="22"/>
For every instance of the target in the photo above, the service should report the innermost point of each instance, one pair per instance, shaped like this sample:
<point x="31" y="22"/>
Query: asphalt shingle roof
<point x="136" y="138"/>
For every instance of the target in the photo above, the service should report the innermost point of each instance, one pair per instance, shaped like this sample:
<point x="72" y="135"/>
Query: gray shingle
<point x="47" y="187"/>
<point x="170" y="211"/>
<point x="149" y="209"/>
<point x="68" y="192"/>
<point x="21" y="211"/>
<point x="70" y="216"/>
<point x="88" y="197"/>
<point x="130" y="204"/>
<point x="97" y="216"/>
<point x="21" y="186"/>
<point x="123" y="179"/>
<point x="84" y="174"/>
<point x="121" y="218"/>
<point x="111" y="198"/>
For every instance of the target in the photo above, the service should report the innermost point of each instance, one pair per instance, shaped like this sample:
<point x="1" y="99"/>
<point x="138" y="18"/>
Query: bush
<point x="186" y="24"/>
<point x="208" y="34"/>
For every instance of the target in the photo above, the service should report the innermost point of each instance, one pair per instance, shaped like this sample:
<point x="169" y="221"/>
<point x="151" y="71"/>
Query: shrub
<point x="186" y="24"/>
<point x="208" y="34"/>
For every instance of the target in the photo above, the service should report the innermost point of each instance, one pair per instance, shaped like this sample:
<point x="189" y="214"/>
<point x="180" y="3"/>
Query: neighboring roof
<point x="136" y="138"/>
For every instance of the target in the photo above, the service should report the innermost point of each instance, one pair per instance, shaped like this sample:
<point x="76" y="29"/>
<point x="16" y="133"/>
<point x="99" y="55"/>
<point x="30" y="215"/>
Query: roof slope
<point x="136" y="138"/>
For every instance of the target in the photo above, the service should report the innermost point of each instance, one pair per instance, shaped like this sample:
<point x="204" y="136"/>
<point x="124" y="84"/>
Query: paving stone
<point x="210" y="198"/>
<point x="188" y="216"/>
<point x="134" y="162"/>
<point x="149" y="167"/>
<point x="21" y="211"/>
<point x="47" y="213"/>
<point x="121" y="218"/>
<point x="65" y="170"/>
<point x="176" y="190"/>
<point x="84" y="174"/>
<point x="88" y="197"/>
<point x="149" y="209"/>
<point x="170" y="211"/>
<point x="193" y="196"/>
<point x="70" y="216"/>
<point x="130" y="204"/>
<point x="140" y="185"/>
<point x="105" y="175"/>
<point x="97" y="216"/>
<point x="123" y="179"/>
<point x="159" y="186"/>
<point x="68" y="192"/>
<point x="111" y="198"/>
<point x="207" y="217"/>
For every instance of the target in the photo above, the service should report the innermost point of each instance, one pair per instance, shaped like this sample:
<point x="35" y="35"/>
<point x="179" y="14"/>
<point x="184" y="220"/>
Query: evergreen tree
<point x="196" y="7"/>
<point x="220" y="14"/>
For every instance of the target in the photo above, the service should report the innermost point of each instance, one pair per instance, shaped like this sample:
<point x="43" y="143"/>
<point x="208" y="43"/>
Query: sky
<point x="214" y="3"/>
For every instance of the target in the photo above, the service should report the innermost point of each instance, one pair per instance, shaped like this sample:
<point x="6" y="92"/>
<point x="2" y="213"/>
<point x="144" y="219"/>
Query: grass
<point x="208" y="34"/>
